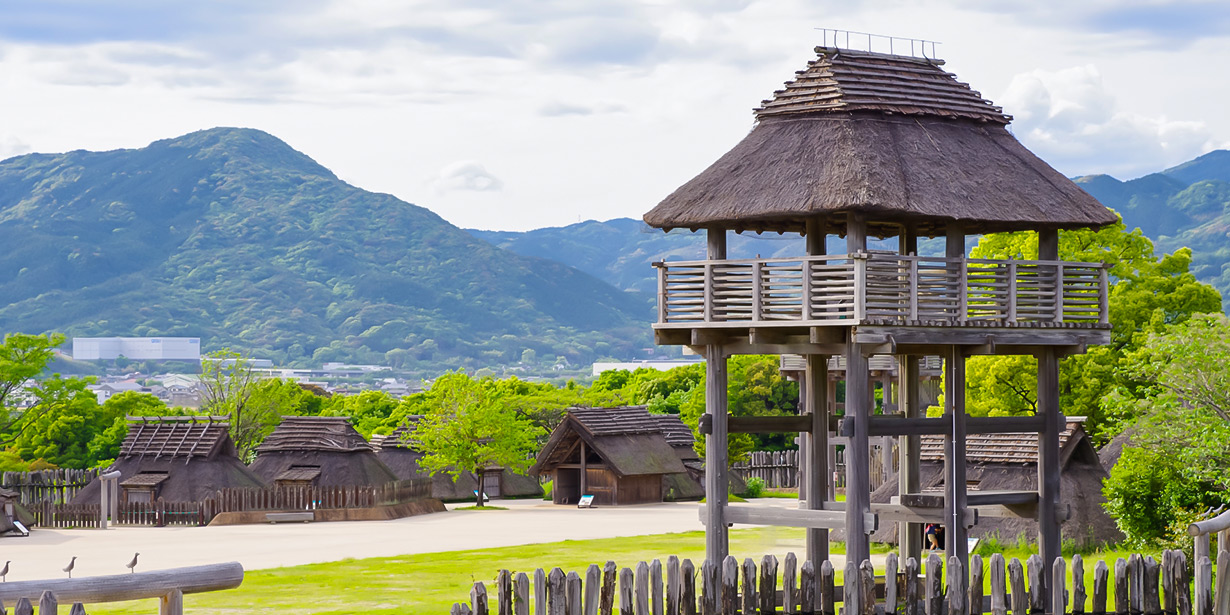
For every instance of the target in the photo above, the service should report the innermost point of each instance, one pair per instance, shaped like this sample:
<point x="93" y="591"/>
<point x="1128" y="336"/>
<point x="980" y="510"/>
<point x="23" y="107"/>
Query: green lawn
<point x="431" y="583"/>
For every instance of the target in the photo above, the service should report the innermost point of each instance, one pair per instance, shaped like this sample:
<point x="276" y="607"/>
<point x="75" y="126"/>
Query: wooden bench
<point x="289" y="517"/>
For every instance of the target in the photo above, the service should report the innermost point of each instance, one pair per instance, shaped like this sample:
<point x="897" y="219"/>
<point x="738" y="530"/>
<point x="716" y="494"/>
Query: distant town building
<point x="660" y="365"/>
<point x="137" y="348"/>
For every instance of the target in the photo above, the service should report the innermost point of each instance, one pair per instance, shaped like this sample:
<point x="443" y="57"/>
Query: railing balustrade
<point x="882" y="289"/>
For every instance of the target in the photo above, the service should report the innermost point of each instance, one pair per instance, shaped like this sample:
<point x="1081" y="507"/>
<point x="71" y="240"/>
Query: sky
<point x="519" y="114"/>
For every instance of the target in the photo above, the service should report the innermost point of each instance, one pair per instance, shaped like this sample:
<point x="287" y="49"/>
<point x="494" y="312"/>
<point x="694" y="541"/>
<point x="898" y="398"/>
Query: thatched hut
<point x="397" y="451"/>
<point x="620" y="456"/>
<point x="175" y="458"/>
<point x="319" y="451"/>
<point x="1009" y="462"/>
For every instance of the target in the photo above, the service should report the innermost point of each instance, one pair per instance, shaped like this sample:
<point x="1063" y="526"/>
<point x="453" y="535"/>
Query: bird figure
<point x="4" y="572"/>
<point x="132" y="566"/>
<point x="70" y="566"/>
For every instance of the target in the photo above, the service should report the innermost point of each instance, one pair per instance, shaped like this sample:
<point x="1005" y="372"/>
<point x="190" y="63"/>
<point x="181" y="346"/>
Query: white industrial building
<point x="137" y="348"/>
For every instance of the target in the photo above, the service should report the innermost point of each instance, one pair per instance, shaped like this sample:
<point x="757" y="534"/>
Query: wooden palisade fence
<point x="168" y="586"/>
<point x="47" y="485"/>
<point x="776" y="468"/>
<point x="1137" y="586"/>
<point x="161" y="513"/>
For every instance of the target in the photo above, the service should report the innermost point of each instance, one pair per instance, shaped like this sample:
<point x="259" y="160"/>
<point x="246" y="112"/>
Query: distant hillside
<point x="1187" y="205"/>
<point x="232" y="235"/>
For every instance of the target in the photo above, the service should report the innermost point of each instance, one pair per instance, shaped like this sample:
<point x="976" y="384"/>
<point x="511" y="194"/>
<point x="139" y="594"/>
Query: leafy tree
<point x="467" y="429"/>
<point x="369" y="409"/>
<point x="62" y="433"/>
<point x="229" y="383"/>
<point x="1148" y="293"/>
<point x="1180" y="455"/>
<point x="22" y="357"/>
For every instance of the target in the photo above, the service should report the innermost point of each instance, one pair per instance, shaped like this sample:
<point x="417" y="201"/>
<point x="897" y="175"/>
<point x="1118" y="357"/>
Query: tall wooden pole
<point x="716" y="457"/>
<point x="1048" y="439"/>
<point x="955" y="498"/>
<point x="909" y="535"/>
<point x="584" y="468"/>
<point x="817" y="439"/>
<point x="858" y="411"/>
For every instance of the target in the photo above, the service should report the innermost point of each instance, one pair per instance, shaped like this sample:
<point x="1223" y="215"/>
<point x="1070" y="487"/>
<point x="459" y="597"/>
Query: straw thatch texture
<point x="1014" y="467"/>
<point x="186" y="458"/>
<point x="898" y="139"/>
<point x="331" y="444"/>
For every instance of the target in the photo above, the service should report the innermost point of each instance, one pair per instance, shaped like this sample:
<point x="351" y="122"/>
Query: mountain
<point x="1184" y="206"/>
<point x="232" y="236"/>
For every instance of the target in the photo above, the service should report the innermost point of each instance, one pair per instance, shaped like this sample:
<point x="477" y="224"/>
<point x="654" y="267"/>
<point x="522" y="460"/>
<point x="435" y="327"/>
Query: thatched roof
<point x="629" y="440"/>
<point x="176" y="437"/>
<point x="1019" y="448"/>
<point x="187" y="458"/>
<point x="896" y="138"/>
<point x="314" y="433"/>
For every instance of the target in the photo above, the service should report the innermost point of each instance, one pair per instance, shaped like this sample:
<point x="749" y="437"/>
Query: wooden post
<point x="867" y="588"/>
<point x="710" y="588"/>
<point x="673" y="585"/>
<point x="626" y="589"/>
<point x="818" y="473"/>
<point x="934" y="586"/>
<point x="1153" y="605"/>
<point x="730" y="586"/>
<point x="1205" y="603"/>
<point x="767" y="589"/>
<point x="790" y="591"/>
<point x="540" y="592"/>
<point x="858" y="411"/>
<point x="574" y="592"/>
<point x="957" y="587"/>
<point x="955" y="538"/>
<point x="717" y="545"/>
<point x="911" y="586"/>
<point x="1122" y="593"/>
<point x="1048" y="457"/>
<point x="48" y="605"/>
<point x="909" y="535"/>
<point x="1221" y="600"/>
<point x="23" y="607"/>
<point x="1016" y="580"/>
<point x="521" y="594"/>
<point x="1037" y="584"/>
<point x="999" y="586"/>
<point x="826" y="593"/>
<point x="1078" y="585"/>
<point x="890" y="584"/>
<point x="687" y="589"/>
<point x="1058" y="591"/>
<point x="641" y="603"/>
<point x="655" y="587"/>
<point x="807" y="586"/>
<point x="503" y="592"/>
<point x="557" y="592"/>
<point x="975" y="585"/>
<point x="1101" y="574"/>
<point x="584" y="468"/>
<point x="593" y="587"/>
<point x="852" y="595"/>
<point x="606" y="599"/>
<point x="478" y="601"/>
<point x="750" y="598"/>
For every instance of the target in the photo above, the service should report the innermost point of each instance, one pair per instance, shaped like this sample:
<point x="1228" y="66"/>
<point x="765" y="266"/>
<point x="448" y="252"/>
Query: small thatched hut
<point x="620" y="456"/>
<point x="175" y="458"/>
<point x="398" y="452"/>
<point x="319" y="451"/>
<point x="1009" y="462"/>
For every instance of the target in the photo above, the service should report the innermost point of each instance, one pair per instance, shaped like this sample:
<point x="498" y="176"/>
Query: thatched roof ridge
<point x="314" y="433"/>
<point x="1016" y="448"/>
<point x="399" y="437"/>
<point x="848" y="80"/>
<point x="890" y="157"/>
<point x="676" y="432"/>
<point x="171" y="437"/>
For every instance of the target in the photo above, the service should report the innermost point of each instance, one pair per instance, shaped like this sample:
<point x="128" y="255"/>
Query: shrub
<point x="546" y="491"/>
<point x="755" y="487"/>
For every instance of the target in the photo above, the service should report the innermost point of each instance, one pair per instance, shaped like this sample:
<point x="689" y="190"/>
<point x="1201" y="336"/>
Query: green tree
<point x="466" y="429"/>
<point x="228" y="382"/>
<point x="61" y="434"/>
<point x="1148" y="293"/>
<point x="368" y="410"/>
<point x="22" y="357"/>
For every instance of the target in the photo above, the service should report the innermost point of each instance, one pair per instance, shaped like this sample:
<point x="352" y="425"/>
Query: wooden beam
<point x="894" y="425"/>
<point x="789" y="517"/>
<point x="715" y="239"/>
<point x="973" y="498"/>
<point x="763" y="424"/>
<point x="123" y="587"/>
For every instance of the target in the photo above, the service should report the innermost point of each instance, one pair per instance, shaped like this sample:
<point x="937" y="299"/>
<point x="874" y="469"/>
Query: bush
<point x="755" y="487"/>
<point x="546" y="490"/>
<point x="1149" y="494"/>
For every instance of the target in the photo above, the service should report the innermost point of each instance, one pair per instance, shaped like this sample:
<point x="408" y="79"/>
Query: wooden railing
<point x="1137" y="585"/>
<point x="882" y="288"/>
<point x="168" y="586"/>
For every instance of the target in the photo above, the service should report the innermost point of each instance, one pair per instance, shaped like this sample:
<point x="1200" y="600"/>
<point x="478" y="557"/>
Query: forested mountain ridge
<point x="233" y="236"/>
<point x="1187" y="205"/>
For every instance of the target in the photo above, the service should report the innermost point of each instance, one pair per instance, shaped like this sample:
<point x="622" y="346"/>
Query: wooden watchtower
<point x="863" y="144"/>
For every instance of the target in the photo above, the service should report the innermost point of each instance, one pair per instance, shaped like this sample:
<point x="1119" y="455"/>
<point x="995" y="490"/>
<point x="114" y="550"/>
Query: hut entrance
<point x="298" y="476"/>
<point x="491" y="482"/>
<point x="567" y="487"/>
<point x="143" y="488"/>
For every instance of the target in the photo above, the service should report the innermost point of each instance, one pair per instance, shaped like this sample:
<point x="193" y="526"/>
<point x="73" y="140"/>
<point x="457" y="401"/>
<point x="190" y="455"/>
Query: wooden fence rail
<point x="778" y="469"/>
<point x="169" y="586"/>
<point x="58" y="486"/>
<point x="1139" y="586"/>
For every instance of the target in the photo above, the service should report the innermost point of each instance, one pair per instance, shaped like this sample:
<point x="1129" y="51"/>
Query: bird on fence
<point x="69" y="568"/>
<point x="132" y="566"/>
<point x="4" y="572"/>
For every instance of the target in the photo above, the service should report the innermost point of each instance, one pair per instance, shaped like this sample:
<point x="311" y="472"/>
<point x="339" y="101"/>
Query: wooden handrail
<point x="1220" y="523"/>
<point x="121" y="587"/>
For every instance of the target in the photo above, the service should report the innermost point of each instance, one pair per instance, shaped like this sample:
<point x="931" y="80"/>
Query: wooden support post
<point x="911" y="586"/>
<point x="999" y="586"/>
<point x="750" y="599"/>
<point x="711" y="587"/>
<point x="606" y="599"/>
<point x="584" y="468"/>
<point x="673" y="585"/>
<point x="858" y="455"/>
<point x="826" y="593"/>
<point x="807" y="587"/>
<point x="909" y="535"/>
<point x="818" y="475"/>
<point x="687" y="588"/>
<point x="815" y="236"/>
<point x="790" y="589"/>
<point x="716" y="536"/>
<point x="955" y="544"/>
<point x="730" y="586"/>
<point x="642" y="589"/>
<point x="1017" y="594"/>
<point x="934" y="587"/>
<point x="767" y="588"/>
<point x="626" y="594"/>
<point x="1048" y="458"/>
<point x="655" y="587"/>
<point x="954" y="247"/>
<point x="521" y="594"/>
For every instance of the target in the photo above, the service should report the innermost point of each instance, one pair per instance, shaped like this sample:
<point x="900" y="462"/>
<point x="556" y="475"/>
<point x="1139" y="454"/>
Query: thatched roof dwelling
<point x="897" y="138"/>
<point x="323" y="451"/>
<point x="398" y="452"/>
<point x="176" y="458"/>
<point x="629" y="456"/>
<point x="1009" y="462"/>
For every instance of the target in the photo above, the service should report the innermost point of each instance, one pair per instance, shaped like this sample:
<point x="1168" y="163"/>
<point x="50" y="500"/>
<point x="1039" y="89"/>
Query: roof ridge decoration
<point x="174" y="437"/>
<point x="315" y="433"/>
<point x="849" y="80"/>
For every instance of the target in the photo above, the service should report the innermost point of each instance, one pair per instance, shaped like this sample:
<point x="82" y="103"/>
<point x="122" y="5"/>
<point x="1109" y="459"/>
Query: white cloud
<point x="12" y="146"/>
<point x="465" y="175"/>
<point x="1071" y="119"/>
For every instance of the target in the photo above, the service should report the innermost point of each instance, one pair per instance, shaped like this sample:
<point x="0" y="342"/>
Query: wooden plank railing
<point x="1139" y="585"/>
<point x="169" y="586"/>
<point x="881" y="288"/>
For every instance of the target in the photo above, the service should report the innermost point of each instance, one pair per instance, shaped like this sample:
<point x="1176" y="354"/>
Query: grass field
<point x="431" y="583"/>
